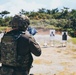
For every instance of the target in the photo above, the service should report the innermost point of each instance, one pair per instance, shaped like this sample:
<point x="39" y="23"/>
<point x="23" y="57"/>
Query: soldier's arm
<point x="34" y="47"/>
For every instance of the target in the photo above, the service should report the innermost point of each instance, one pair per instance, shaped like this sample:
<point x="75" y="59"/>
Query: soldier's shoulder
<point x="27" y="35"/>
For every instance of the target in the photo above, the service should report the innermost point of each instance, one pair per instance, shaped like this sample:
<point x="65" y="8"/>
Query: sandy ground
<point x="54" y="60"/>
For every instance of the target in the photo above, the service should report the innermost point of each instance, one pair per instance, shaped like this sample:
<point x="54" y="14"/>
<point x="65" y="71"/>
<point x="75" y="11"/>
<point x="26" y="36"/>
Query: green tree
<point x="4" y="13"/>
<point x="64" y="13"/>
<point x="43" y="10"/>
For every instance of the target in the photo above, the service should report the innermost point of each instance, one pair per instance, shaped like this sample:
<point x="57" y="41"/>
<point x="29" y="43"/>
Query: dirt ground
<point x="54" y="60"/>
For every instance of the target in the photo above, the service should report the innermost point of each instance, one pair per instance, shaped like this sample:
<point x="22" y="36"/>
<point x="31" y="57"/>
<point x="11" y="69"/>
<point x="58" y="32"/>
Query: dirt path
<point x="55" y="60"/>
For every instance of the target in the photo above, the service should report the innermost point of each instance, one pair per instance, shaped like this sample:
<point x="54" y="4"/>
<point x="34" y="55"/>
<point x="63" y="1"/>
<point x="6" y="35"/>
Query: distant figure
<point x="52" y="36"/>
<point x="64" y="38"/>
<point x="45" y="44"/>
<point x="32" y="31"/>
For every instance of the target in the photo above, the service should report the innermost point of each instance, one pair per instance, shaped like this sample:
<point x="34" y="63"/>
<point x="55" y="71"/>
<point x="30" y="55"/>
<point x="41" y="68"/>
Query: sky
<point x="15" y="6"/>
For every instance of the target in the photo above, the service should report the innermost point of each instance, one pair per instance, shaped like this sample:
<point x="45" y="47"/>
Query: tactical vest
<point x="8" y="50"/>
<point x="9" y="54"/>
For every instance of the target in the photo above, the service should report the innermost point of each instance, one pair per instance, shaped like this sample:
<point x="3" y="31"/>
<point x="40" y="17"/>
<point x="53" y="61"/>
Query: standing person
<point x="52" y="36"/>
<point x="64" y="38"/>
<point x="17" y="47"/>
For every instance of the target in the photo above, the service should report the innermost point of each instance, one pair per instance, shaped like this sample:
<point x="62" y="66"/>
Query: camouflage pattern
<point x="8" y="50"/>
<point x="6" y="71"/>
<point x="10" y="71"/>
<point x="9" y="54"/>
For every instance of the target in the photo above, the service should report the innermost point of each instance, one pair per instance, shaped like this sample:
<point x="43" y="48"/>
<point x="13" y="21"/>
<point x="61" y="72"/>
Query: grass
<point x="4" y="28"/>
<point x="73" y="40"/>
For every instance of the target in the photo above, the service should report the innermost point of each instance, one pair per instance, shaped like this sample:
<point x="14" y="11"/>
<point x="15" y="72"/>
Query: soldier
<point x="17" y="47"/>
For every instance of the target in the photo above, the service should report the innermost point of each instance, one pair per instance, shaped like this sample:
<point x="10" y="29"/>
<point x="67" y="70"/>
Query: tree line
<point x="63" y="18"/>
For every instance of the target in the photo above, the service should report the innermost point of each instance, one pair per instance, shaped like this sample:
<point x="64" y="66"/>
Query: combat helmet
<point x="20" y="22"/>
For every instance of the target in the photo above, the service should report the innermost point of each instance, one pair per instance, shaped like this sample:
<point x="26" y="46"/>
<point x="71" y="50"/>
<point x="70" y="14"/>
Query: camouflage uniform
<point x="10" y="71"/>
<point x="26" y="45"/>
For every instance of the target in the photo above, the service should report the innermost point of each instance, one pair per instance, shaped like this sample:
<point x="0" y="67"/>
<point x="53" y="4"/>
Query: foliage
<point x="73" y="40"/>
<point x="3" y="13"/>
<point x="64" y="19"/>
<point x="3" y="28"/>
